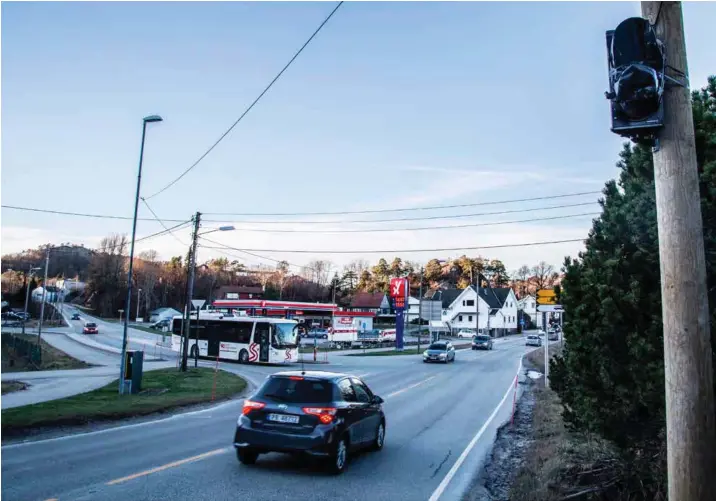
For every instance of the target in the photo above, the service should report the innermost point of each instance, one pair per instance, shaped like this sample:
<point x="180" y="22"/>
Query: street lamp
<point x="139" y="296"/>
<point x="145" y="121"/>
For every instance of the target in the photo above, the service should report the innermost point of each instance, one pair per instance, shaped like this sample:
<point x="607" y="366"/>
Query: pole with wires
<point x="190" y="292"/>
<point x="44" y="295"/>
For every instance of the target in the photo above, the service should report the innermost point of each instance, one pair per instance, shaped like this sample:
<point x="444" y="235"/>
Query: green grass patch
<point x="14" y="359"/>
<point x="161" y="390"/>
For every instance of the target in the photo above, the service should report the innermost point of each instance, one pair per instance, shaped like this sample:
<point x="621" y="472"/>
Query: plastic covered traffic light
<point x="636" y="80"/>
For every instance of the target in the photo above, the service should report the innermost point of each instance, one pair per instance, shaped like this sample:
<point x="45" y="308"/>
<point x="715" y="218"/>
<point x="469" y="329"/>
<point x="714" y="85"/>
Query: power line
<point x="378" y="211"/>
<point x="400" y="251"/>
<point x="421" y="228"/>
<point x="162" y="223"/>
<point x="266" y="89"/>
<point x="82" y="214"/>
<point x="344" y="221"/>
<point x="424" y="218"/>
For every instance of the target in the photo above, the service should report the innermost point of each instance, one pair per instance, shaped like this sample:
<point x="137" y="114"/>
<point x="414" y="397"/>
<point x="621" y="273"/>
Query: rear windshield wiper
<point x="276" y="397"/>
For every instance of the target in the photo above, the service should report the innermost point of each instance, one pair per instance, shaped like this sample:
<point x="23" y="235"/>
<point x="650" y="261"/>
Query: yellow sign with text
<point x="546" y="296"/>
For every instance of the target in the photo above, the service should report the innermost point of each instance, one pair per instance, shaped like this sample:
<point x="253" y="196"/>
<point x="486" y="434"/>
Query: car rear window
<point x="285" y="389"/>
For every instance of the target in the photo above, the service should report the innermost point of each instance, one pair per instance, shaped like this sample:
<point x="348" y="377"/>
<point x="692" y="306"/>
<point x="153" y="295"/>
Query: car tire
<point x="247" y="456"/>
<point x="379" y="437"/>
<point x="243" y="357"/>
<point x="339" y="458"/>
<point x="325" y="336"/>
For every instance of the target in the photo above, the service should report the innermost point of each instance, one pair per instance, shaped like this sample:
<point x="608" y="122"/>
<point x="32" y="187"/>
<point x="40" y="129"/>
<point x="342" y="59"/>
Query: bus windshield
<point x="285" y="335"/>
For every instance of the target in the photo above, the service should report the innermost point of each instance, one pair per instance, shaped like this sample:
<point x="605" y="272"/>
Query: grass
<point x="52" y="358"/>
<point x="559" y="463"/>
<point x="11" y="386"/>
<point x="161" y="390"/>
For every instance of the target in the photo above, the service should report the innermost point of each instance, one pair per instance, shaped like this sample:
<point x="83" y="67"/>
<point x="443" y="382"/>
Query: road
<point x="434" y="413"/>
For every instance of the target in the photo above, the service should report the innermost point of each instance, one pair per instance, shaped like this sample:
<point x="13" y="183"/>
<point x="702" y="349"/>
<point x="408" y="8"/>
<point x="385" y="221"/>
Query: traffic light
<point x="636" y="80"/>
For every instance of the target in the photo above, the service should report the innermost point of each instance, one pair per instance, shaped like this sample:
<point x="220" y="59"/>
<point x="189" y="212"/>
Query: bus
<point x="241" y="338"/>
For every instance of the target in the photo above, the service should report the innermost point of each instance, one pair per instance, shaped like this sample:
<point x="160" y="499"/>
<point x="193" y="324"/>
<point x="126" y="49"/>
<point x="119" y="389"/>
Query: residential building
<point x="374" y="302"/>
<point x="413" y="309"/>
<point x="497" y="309"/>
<point x="163" y="313"/>
<point x="528" y="308"/>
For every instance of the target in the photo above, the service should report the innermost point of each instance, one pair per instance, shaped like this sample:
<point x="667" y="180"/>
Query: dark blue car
<point x="323" y="414"/>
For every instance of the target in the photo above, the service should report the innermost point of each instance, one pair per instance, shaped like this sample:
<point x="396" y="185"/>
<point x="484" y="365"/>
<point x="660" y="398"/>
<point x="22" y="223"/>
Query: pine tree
<point x="610" y="376"/>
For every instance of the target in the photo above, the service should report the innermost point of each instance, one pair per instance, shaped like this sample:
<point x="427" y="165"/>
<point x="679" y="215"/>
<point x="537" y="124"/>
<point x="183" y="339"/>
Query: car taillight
<point x="250" y="405"/>
<point x="325" y="414"/>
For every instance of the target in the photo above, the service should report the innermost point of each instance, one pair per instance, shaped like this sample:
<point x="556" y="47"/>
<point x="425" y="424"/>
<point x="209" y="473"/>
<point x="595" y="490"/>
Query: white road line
<point x="455" y="467"/>
<point x="396" y="393"/>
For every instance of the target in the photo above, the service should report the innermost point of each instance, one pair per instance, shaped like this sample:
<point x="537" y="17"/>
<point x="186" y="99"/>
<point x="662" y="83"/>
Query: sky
<point x="392" y="105"/>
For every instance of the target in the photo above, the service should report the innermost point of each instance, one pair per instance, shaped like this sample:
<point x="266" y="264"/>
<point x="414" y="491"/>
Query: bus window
<point x="285" y="335"/>
<point x="261" y="327"/>
<point x="243" y="331"/>
<point x="176" y="326"/>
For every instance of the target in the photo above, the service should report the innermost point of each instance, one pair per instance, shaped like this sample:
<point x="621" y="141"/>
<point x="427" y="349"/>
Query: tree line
<point x="610" y="376"/>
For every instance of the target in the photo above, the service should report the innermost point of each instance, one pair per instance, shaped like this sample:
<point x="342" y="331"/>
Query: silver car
<point x="534" y="340"/>
<point x="439" y="351"/>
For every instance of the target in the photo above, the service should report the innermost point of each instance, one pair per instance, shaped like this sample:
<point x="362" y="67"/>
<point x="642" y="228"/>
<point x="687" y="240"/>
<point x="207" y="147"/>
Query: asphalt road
<point x="434" y="413"/>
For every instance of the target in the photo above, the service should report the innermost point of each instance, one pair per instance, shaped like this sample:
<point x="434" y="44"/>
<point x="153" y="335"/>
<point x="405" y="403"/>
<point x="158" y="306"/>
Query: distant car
<point x="482" y="342"/>
<point x="439" y="351"/>
<point x="90" y="328"/>
<point x="322" y="414"/>
<point x="553" y="336"/>
<point x="465" y="333"/>
<point x="540" y="333"/>
<point x="160" y="325"/>
<point x="533" y="340"/>
<point x="76" y="316"/>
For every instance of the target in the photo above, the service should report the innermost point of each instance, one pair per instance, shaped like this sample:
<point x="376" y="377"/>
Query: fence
<point x="17" y="347"/>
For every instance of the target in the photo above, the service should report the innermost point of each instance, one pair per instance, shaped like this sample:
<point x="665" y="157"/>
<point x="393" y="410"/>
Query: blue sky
<point x="392" y="105"/>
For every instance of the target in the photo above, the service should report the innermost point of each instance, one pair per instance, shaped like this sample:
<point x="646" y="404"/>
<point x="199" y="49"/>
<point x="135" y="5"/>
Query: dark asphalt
<point x="433" y="412"/>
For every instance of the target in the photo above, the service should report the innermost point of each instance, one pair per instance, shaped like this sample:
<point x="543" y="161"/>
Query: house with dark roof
<point x="496" y="309"/>
<point x="375" y="302"/>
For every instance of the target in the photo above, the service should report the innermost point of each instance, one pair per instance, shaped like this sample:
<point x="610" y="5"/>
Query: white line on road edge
<point x="450" y="474"/>
<point x="395" y="393"/>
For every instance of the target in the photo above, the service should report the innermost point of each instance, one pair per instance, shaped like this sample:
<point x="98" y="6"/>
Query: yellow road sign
<point x="546" y="296"/>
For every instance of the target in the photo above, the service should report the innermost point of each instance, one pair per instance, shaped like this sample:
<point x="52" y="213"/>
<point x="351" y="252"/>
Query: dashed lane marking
<point x="396" y="393"/>
<point x="173" y="464"/>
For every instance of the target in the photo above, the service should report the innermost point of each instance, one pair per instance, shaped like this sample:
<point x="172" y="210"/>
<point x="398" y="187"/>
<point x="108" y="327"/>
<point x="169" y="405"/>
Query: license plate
<point x="283" y="418"/>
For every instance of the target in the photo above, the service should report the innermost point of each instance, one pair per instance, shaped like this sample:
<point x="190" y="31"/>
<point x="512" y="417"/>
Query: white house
<point x="413" y="310"/>
<point x="528" y="305"/>
<point x="497" y="310"/>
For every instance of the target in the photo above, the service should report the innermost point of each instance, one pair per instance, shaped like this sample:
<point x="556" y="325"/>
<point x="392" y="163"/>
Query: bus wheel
<point x="244" y="357"/>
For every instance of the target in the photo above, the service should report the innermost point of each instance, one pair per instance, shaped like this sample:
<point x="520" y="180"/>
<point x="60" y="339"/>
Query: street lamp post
<point x="27" y="295"/>
<point x="145" y="121"/>
<point x="139" y="296"/>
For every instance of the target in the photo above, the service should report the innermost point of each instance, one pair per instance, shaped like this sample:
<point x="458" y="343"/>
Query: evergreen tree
<point x="610" y="376"/>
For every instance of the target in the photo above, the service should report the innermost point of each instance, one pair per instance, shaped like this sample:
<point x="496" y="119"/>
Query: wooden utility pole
<point x="690" y="419"/>
<point x="190" y="293"/>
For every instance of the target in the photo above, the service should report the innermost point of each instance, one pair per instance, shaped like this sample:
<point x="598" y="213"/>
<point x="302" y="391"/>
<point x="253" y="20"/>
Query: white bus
<point x="244" y="339"/>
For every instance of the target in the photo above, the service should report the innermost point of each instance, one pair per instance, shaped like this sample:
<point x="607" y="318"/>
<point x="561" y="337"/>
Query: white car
<point x="533" y="340"/>
<point x="464" y="333"/>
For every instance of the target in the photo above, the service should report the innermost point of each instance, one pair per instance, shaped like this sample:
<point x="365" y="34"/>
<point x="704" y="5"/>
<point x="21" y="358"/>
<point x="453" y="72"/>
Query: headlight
<point x="425" y="354"/>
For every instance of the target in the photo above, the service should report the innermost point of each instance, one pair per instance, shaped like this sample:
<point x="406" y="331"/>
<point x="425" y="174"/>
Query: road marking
<point x="395" y="393"/>
<point x="168" y="465"/>
<point x="450" y="474"/>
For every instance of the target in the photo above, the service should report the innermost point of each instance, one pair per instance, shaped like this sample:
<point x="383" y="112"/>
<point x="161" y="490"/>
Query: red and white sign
<point x="398" y="287"/>
<point x="345" y="320"/>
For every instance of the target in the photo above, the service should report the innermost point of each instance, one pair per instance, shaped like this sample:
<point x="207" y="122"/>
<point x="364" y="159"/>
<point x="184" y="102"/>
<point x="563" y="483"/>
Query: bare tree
<point x="543" y="274"/>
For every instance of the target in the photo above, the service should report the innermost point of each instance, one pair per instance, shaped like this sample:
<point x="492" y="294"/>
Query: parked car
<point x="482" y="342"/>
<point x="439" y="351"/>
<point x="552" y="335"/>
<point x="465" y="333"/>
<point x="161" y="324"/>
<point x="317" y="334"/>
<point x="75" y="316"/>
<point x="323" y="414"/>
<point x="533" y="340"/>
<point x="90" y="328"/>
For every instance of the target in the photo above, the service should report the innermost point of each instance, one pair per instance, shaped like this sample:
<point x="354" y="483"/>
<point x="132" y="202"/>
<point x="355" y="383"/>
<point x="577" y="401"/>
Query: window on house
<point x="463" y="302"/>
<point x="469" y="318"/>
<point x="470" y="302"/>
<point x="459" y="318"/>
